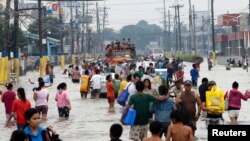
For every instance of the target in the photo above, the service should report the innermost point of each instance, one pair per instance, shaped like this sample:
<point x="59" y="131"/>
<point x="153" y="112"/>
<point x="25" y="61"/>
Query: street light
<point x="228" y="47"/>
<point x="237" y="35"/>
<point x="238" y="23"/>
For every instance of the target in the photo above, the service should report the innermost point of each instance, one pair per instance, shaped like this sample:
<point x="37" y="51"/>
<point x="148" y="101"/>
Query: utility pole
<point x="15" y="38"/>
<point x="203" y="32"/>
<point x="169" y="28"/>
<point x="212" y="10"/>
<point x="88" y="30"/>
<point x="15" y="30"/>
<point x="194" y="30"/>
<point x="83" y="27"/>
<point x="165" y="26"/>
<point x="72" y="30"/>
<point x="176" y="30"/>
<point x="247" y="50"/>
<point x="40" y="42"/>
<point x="103" y="26"/>
<point x="61" y="24"/>
<point x="179" y="26"/>
<point x="191" y="27"/>
<point x="98" y="30"/>
<point x="77" y="27"/>
<point x="6" y="30"/>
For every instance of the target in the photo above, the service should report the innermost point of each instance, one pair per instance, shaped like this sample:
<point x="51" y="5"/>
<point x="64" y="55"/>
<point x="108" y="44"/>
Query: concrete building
<point x="236" y="42"/>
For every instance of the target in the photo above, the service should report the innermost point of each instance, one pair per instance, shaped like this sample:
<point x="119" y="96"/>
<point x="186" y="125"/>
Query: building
<point x="236" y="42"/>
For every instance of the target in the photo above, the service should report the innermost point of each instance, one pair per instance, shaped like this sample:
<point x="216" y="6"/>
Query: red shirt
<point x="110" y="89"/>
<point x="180" y="76"/>
<point x="20" y="107"/>
<point x="8" y="98"/>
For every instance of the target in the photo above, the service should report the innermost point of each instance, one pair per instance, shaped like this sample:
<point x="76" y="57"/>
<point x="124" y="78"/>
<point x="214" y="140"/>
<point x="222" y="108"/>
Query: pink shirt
<point x="235" y="97"/>
<point x="76" y="75"/>
<point x="7" y="98"/>
<point x="62" y="99"/>
<point x="42" y="97"/>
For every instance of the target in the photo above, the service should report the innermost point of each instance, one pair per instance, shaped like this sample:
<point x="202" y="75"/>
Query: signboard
<point x="228" y="19"/>
<point x="27" y="6"/>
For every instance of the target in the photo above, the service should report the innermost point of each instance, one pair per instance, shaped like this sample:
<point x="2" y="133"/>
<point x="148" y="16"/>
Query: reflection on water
<point x="89" y="119"/>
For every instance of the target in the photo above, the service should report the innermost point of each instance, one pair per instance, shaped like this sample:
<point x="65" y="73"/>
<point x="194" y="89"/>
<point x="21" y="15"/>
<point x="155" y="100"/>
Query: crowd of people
<point x="163" y="104"/>
<point x="241" y="63"/>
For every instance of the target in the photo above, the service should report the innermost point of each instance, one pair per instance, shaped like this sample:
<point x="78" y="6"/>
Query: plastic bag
<point x="215" y="99"/>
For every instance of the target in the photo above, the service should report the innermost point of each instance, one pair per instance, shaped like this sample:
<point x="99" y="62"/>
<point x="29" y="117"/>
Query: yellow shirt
<point x="122" y="86"/>
<point x="84" y="83"/>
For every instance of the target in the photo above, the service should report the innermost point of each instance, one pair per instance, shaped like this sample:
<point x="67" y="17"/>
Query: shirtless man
<point x="155" y="129"/>
<point x="178" y="131"/>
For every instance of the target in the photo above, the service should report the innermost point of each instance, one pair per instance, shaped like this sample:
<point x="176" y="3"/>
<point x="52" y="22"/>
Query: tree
<point x="21" y="38"/>
<point x="142" y="33"/>
<point x="51" y="27"/>
<point x="110" y="34"/>
<point x="1" y="33"/>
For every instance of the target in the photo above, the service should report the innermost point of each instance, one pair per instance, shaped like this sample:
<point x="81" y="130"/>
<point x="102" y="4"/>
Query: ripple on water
<point x="90" y="120"/>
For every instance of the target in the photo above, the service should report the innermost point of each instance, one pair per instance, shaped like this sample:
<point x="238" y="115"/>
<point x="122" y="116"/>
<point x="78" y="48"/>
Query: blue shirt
<point x="33" y="137"/>
<point x="194" y="74"/>
<point x="163" y="110"/>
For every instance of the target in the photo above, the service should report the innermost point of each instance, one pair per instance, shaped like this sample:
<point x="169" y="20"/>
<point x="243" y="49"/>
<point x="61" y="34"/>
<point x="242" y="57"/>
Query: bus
<point x="157" y="53"/>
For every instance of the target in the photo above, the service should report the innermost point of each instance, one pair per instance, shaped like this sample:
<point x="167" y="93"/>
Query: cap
<point x="211" y="83"/>
<point x="188" y="82"/>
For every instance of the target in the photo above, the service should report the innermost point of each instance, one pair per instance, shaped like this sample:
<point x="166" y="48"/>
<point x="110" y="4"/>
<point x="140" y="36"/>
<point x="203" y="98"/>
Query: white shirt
<point x="42" y="97"/>
<point x="131" y="89"/>
<point x="96" y="81"/>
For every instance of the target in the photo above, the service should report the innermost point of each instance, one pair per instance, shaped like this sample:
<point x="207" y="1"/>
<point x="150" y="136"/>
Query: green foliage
<point x="52" y="25"/>
<point x="21" y="38"/>
<point x="1" y="32"/>
<point x="188" y="57"/>
<point x="141" y="33"/>
<point x="110" y="34"/>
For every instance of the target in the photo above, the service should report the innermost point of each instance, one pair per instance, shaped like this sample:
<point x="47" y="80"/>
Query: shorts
<point x="214" y="121"/>
<point x="95" y="92"/>
<point x="164" y="126"/>
<point x="82" y="92"/>
<point x="75" y="80"/>
<point x="192" y="124"/>
<point x="233" y="113"/>
<point x="194" y="82"/>
<point x="111" y="99"/>
<point x="138" y="132"/>
<point x="42" y="109"/>
<point x="20" y="127"/>
<point x="63" y="112"/>
<point x="51" y="80"/>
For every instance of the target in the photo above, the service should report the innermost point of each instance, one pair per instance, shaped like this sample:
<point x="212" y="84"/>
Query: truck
<point x="119" y="52"/>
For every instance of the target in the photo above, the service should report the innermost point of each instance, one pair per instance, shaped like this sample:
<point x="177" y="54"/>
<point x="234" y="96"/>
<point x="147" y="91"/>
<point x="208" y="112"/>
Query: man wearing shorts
<point x="214" y="117"/>
<point x="141" y="103"/>
<point x="190" y="100"/>
<point x="96" y="82"/>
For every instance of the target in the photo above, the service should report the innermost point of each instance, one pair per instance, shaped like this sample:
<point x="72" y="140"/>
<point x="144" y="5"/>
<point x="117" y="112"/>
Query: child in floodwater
<point x="110" y="93"/>
<point x="63" y="102"/>
<point x="178" y="131"/>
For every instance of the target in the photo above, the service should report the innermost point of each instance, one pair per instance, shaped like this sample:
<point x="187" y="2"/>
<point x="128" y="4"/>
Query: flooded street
<point x="90" y="120"/>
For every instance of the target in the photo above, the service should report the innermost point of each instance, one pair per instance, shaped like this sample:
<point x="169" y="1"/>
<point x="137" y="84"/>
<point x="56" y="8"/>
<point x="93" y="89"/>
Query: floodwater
<point x="90" y="120"/>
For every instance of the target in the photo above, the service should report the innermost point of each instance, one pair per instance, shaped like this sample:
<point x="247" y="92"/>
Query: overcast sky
<point x="124" y="12"/>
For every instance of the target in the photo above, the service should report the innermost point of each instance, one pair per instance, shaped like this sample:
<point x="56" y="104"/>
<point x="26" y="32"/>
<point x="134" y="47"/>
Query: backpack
<point x="122" y="98"/>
